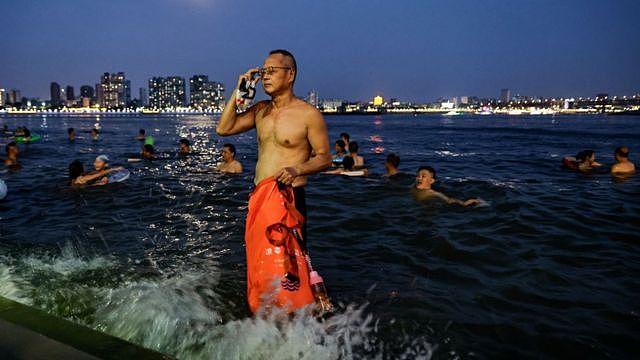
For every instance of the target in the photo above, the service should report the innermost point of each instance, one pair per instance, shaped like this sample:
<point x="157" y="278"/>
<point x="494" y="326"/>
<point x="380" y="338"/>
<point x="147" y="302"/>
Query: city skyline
<point x="417" y="51"/>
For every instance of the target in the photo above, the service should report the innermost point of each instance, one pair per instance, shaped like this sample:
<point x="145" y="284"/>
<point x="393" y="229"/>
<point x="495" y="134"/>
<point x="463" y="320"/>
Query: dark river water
<point x="548" y="266"/>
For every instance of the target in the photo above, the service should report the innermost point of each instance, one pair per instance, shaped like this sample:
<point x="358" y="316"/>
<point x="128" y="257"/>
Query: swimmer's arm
<point x="451" y="200"/>
<point x="231" y="122"/>
<point x="90" y="177"/>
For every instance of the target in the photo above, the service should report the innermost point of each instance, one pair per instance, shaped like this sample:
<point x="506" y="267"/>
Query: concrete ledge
<point x="30" y="333"/>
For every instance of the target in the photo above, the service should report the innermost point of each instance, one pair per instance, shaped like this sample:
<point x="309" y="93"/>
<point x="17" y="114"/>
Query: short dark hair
<point x="348" y="162"/>
<point x="94" y="129"/>
<point x="141" y="131"/>
<point x="290" y="55"/>
<point x="148" y="148"/>
<point x="353" y="147"/>
<point x="583" y="155"/>
<point x="75" y="169"/>
<point x="9" y="146"/>
<point x="341" y="144"/>
<point x="429" y="169"/>
<point x="231" y="147"/>
<point x="622" y="151"/>
<point x="184" y="141"/>
<point x="27" y="133"/>
<point x="70" y="130"/>
<point x="345" y="135"/>
<point x="393" y="159"/>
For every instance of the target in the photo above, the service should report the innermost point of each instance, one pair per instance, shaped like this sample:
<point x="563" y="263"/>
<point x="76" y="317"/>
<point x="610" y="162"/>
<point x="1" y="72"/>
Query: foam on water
<point x="183" y="314"/>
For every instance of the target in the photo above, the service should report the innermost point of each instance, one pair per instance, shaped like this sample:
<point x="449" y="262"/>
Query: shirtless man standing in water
<point x="288" y="128"/>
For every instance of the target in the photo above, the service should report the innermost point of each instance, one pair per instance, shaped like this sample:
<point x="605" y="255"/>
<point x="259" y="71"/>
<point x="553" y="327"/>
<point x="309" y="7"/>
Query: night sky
<point x="411" y="50"/>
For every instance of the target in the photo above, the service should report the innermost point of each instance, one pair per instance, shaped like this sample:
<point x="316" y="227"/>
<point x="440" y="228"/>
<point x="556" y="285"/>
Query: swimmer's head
<point x="425" y="177"/>
<point x="586" y="156"/>
<point x="27" y="133"/>
<point x="393" y="160"/>
<point x="141" y="132"/>
<point x="279" y="72"/>
<point x="345" y="137"/>
<point x="75" y="169"/>
<point x="228" y="152"/>
<point x="12" y="149"/>
<point x="184" y="146"/>
<point x="101" y="162"/>
<point x="71" y="131"/>
<point x="147" y="151"/>
<point x="340" y="146"/>
<point x="622" y="152"/>
<point x="353" y="147"/>
<point x="347" y="163"/>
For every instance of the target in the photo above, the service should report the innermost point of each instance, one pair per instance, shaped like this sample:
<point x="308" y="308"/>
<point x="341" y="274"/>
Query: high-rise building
<point x="70" y="95"/>
<point x="55" y="93"/>
<point x="165" y="92"/>
<point x="127" y="92"/>
<point x="86" y="91"/>
<point x="205" y="94"/>
<point x="144" y="97"/>
<point x="112" y="90"/>
<point x="505" y="95"/>
<point x="1" y="97"/>
<point x="312" y="98"/>
<point x="13" y="97"/>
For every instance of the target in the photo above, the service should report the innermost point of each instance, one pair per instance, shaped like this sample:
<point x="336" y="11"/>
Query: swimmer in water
<point x="623" y="166"/>
<point x="78" y="177"/>
<point x="348" y="168"/>
<point x="422" y="191"/>
<point x="340" y="149"/>
<point x="587" y="160"/>
<point x="148" y="152"/>
<point x="345" y="137"/>
<point x="391" y="164"/>
<point x="229" y="163"/>
<point x="72" y="134"/>
<point x="353" y="152"/>
<point x="185" y="148"/>
<point x="141" y="135"/>
<point x="94" y="134"/>
<point x="12" y="156"/>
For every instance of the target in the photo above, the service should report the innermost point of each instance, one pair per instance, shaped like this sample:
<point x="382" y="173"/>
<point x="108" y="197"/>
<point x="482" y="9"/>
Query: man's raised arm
<point x="230" y="122"/>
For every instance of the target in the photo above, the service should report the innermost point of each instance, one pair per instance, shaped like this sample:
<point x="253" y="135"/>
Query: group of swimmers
<point x="99" y="176"/>
<point x="585" y="161"/>
<point x="347" y="161"/>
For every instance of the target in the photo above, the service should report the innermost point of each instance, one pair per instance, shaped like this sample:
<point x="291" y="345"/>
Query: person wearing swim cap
<point x="229" y="163"/>
<point x="78" y="177"/>
<point x="425" y="177"/>
<point x="622" y="166"/>
<point x="101" y="162"/>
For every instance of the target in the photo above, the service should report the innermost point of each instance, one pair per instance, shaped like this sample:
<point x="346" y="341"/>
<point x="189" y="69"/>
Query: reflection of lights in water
<point x="376" y="138"/>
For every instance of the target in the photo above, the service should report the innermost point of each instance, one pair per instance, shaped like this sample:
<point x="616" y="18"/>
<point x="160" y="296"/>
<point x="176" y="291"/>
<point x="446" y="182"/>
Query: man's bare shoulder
<point x="307" y="110"/>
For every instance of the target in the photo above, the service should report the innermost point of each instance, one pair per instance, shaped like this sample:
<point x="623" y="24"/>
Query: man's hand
<point x="248" y="76"/>
<point x="471" y="202"/>
<point x="287" y="175"/>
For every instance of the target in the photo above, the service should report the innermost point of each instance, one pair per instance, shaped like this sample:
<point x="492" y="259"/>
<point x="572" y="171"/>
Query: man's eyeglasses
<point x="271" y="69"/>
